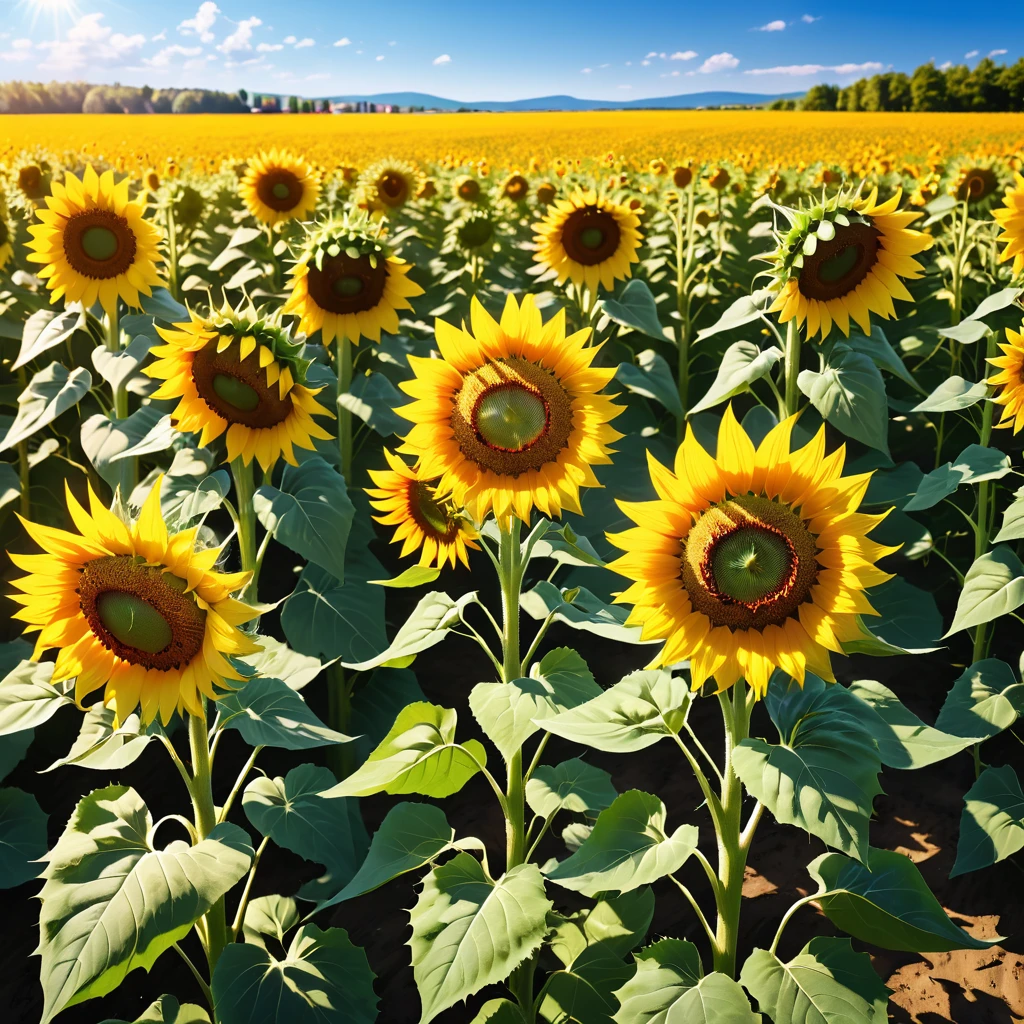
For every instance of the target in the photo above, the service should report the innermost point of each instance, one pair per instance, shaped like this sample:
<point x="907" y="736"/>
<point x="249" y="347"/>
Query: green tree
<point x="821" y="97"/>
<point x="928" y="89"/>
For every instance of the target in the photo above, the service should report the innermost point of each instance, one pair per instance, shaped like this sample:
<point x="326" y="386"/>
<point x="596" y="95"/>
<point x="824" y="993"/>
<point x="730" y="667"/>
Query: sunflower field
<point x="512" y="570"/>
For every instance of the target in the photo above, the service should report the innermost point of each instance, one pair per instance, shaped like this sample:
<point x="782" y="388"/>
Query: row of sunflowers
<point x="633" y="406"/>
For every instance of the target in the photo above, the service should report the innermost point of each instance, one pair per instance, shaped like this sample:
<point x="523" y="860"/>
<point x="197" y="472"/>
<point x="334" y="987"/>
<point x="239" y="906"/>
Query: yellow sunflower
<point x="510" y="417"/>
<point x="589" y="240"/>
<point x="975" y="183"/>
<point x="751" y="560"/>
<point x="279" y="186"/>
<point x="238" y="372"/>
<point x="94" y="243"/>
<point x="844" y="260"/>
<point x="346" y="285"/>
<point x="1011" y="379"/>
<point x="515" y="187"/>
<point x="389" y="184"/>
<point x="1011" y="222"/>
<point x="132" y="609"/>
<point x="466" y="188"/>
<point x="434" y="528"/>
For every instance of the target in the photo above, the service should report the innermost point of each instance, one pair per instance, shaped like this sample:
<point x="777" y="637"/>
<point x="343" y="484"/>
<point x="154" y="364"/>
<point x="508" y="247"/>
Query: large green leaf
<point x="49" y="393"/>
<point x="908" y="621"/>
<point x="323" y="979"/>
<point x="281" y="662"/>
<point x="992" y="823"/>
<point x="418" y="755"/>
<point x="45" y="329"/>
<point x="377" y="703"/>
<point x="105" y="439"/>
<point x="297" y="816"/>
<point x="13" y="748"/>
<point x="112" y="902"/>
<point x="468" y="931"/>
<point x="825" y="983"/>
<point x="885" y="901"/>
<point x="410" y="836"/>
<point x="275" y="916"/>
<point x="573" y="786"/>
<point x="583" y="991"/>
<point x="101" y="746"/>
<point x="746" y="309"/>
<point x="1013" y="519"/>
<point x="28" y="698"/>
<point x="985" y="700"/>
<point x="823" y="775"/>
<point x="742" y="365"/>
<point x="22" y="836"/>
<point x="310" y="513"/>
<point x="627" y="848"/>
<point x="877" y="348"/>
<point x="651" y="377"/>
<point x="668" y="988"/>
<point x="637" y="711"/>
<point x="635" y="309"/>
<point x="499" y="1011"/>
<point x="167" y="1010"/>
<point x="618" y="922"/>
<point x="952" y="395"/>
<point x="973" y="465"/>
<point x="579" y="608"/>
<point x="993" y="587"/>
<point x="373" y="399"/>
<point x="117" y="368"/>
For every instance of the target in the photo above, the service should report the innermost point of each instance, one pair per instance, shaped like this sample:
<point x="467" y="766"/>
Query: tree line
<point x="83" y="98"/>
<point x="985" y="87"/>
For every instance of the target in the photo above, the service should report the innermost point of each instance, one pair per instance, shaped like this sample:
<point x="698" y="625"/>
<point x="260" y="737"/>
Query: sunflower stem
<point x="684" y="255"/>
<point x="24" y="480"/>
<point x="244" y="491"/>
<point x="344" y="360"/>
<point x="172" y="252"/>
<point x="792" y="369"/>
<point x="127" y="468"/>
<point x="983" y="526"/>
<point x="339" y="714"/>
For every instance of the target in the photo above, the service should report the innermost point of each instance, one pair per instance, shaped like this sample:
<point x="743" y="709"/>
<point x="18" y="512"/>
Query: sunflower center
<point x="469" y="189"/>
<point x="429" y="514"/>
<point x="590" y="235"/>
<point x="475" y="232"/>
<point x="280" y="189"/>
<point x="141" y="612"/>
<point x="99" y="244"/>
<point x="393" y="187"/>
<point x="511" y="416"/>
<point x="977" y="183"/>
<point x="749" y="562"/>
<point x="838" y="266"/>
<point x="516" y="186"/>
<point x="237" y="389"/>
<point x="344" y="284"/>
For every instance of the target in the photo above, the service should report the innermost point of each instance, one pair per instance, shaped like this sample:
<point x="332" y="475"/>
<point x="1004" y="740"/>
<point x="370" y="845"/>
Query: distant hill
<point x="686" y="101"/>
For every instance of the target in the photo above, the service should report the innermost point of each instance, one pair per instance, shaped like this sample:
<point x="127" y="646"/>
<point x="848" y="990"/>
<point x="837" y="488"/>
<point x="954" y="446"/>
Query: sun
<point x="58" y="12"/>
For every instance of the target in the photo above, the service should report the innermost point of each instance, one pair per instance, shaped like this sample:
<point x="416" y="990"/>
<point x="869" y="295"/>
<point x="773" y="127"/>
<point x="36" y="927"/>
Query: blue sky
<point x="481" y="51"/>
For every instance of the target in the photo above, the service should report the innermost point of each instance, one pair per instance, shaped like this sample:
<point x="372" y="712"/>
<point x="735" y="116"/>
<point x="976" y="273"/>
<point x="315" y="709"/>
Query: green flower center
<point x="134" y="622"/>
<point x="835" y="268"/>
<point x="99" y="243"/>
<point x="348" y="286"/>
<point x="510" y="417"/>
<point x="235" y="392"/>
<point x="281" y="190"/>
<point x="750" y="564"/>
<point x="592" y="238"/>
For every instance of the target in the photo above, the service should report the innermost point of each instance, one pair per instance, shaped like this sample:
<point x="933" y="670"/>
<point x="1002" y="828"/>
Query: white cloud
<point x="21" y="50"/>
<point x="809" y="19"/>
<point x="240" y="38"/>
<point x="379" y="57"/>
<point x="799" y="70"/>
<point x="393" y="42"/>
<point x="604" y="65"/>
<point x="445" y="58"/>
<point x="163" y="58"/>
<point x="644" y="63"/>
<point x="945" y="65"/>
<point x="996" y="53"/>
<point x="653" y="53"/>
<point x="159" y="37"/>
<point x="202" y="22"/>
<point x="269" y="47"/>
<point x="586" y="71"/>
<point x="90" y="43"/>
<point x="290" y="39"/>
<point x="629" y="63"/>
<point x="304" y="44"/>
<point x="344" y="41"/>
<point x="968" y="56"/>
<point x="683" y="55"/>
<point x="773" y="26"/>
<point x="718" y="62"/>
<point x="253" y="62"/>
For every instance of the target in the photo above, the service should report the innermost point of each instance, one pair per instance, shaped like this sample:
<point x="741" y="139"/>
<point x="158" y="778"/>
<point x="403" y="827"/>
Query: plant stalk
<point x="127" y="468"/>
<point x="344" y="368"/>
<point x="245" y="489"/>
<point x="983" y="527"/>
<point x="792" y="369"/>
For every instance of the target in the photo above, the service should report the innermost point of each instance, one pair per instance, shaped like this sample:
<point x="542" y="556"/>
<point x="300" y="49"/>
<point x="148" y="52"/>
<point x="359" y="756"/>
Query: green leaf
<point x="651" y="377"/>
<point x="269" y="915"/>
<point x="992" y="823"/>
<point x="50" y="392"/>
<point x="112" y="902"/>
<point x="825" y="983"/>
<point x="573" y="786"/>
<point x="952" y="395"/>
<point x="637" y="711"/>
<point x="103" y="439"/>
<point x="908" y="621"/>
<point x="567" y="548"/>
<point x="158" y="438"/>
<point x="418" y="755"/>
<point x="311" y="513"/>
<point x="885" y="901"/>
<point x="323" y="979"/>
<point x="410" y="836"/>
<point x="904" y="741"/>
<point x="877" y="348"/>
<point x="414" y="576"/>
<point x="823" y="776"/>
<point x="628" y="847"/>
<point x="973" y="465"/>
<point x="373" y="398"/>
<point x="189" y="490"/>
<point x="993" y="587"/>
<point x="22" y="837"/>
<point x="584" y="611"/>
<point x="583" y="992"/>
<point x="164" y="305"/>
<point x="850" y="394"/>
<point x="377" y="703"/>
<point x="499" y="1011"/>
<point x="13" y="749"/>
<point x="744" y="310"/>
<point x="993" y="303"/>
<point x="297" y="815"/>
<point x="668" y="987"/>
<point x="636" y="309"/>
<point x="167" y="1010"/>
<point x="1013" y="520"/>
<point x="620" y="922"/>
<point x="45" y="329"/>
<point x="985" y="700"/>
<point x="742" y="365"/>
<point x="469" y="932"/>
<point x="967" y="332"/>
<point x="28" y="698"/>
<point x="281" y="662"/>
<point x="117" y="368"/>
<point x="102" y="747"/>
<point x="269" y="713"/>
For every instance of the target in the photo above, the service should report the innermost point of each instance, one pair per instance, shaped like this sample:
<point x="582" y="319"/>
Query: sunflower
<point x="1011" y="378"/>
<point x="279" y="186"/>
<point x="32" y="182"/>
<point x="1011" y="222"/>
<point x="434" y="528"/>
<point x="974" y="184"/>
<point x="515" y="188"/>
<point x="845" y="259"/>
<point x="389" y="184"/>
<point x="346" y="285"/>
<point x="94" y="243"/>
<point x="589" y="240"/>
<point x="510" y="417"/>
<point x="750" y="560"/>
<point x="472" y="232"/>
<point x="133" y="609"/>
<point x="238" y="371"/>
<point x="467" y="188"/>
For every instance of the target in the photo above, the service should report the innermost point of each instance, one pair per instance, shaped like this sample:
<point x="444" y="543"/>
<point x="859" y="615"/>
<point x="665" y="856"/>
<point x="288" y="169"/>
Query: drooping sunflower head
<point x="510" y="417"/>
<point x="423" y="522"/>
<point x="133" y="609"/>
<point x="546" y="193"/>
<point x="844" y="259"/>
<point x="976" y="182"/>
<point x="94" y="244"/>
<point x="237" y="372"/>
<point x="751" y="560"/>
<point x="514" y="188"/>
<point x="588" y="239"/>
<point x="1010" y="218"/>
<point x="682" y="176"/>
<point x="346" y="284"/>
<point x="389" y="184"/>
<point x="279" y="186"/>
<point x="472" y="232"/>
<point x="33" y="182"/>
<point x="467" y="188"/>
<point x="1010" y="380"/>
